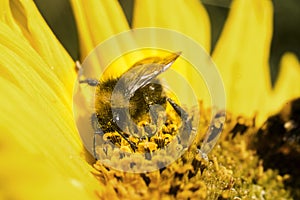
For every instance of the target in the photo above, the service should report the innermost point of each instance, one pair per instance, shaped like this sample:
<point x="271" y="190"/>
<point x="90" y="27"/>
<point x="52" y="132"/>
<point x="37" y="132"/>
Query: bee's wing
<point x="144" y="71"/>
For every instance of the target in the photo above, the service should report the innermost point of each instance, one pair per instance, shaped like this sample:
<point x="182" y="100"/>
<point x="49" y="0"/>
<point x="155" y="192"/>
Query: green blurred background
<point x="286" y="36"/>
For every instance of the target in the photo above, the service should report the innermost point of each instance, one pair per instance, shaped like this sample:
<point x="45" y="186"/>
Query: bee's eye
<point x="119" y="115"/>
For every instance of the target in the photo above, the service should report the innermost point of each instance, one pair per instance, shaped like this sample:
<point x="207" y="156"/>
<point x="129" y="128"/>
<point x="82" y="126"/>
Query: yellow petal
<point x="242" y="54"/>
<point x="97" y="21"/>
<point x="41" y="153"/>
<point x="287" y="84"/>
<point x="187" y="17"/>
<point x="23" y="18"/>
<point x="39" y="158"/>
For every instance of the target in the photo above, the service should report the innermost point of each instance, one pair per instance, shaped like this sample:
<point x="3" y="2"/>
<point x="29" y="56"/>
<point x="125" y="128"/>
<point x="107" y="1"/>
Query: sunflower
<point x="42" y="156"/>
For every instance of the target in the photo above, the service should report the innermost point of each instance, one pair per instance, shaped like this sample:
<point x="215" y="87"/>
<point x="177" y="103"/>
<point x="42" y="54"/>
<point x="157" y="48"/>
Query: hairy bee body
<point x="132" y="107"/>
<point x="138" y="107"/>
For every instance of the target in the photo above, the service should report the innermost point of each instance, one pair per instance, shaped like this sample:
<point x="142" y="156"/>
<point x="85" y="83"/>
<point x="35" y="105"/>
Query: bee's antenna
<point x="89" y="81"/>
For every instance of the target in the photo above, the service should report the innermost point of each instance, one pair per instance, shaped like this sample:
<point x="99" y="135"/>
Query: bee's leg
<point x="186" y="127"/>
<point x="97" y="131"/>
<point x="121" y="120"/>
<point x="132" y="145"/>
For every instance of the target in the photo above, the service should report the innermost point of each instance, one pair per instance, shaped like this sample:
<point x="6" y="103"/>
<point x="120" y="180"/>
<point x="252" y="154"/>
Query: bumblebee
<point x="277" y="142"/>
<point x="137" y="95"/>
